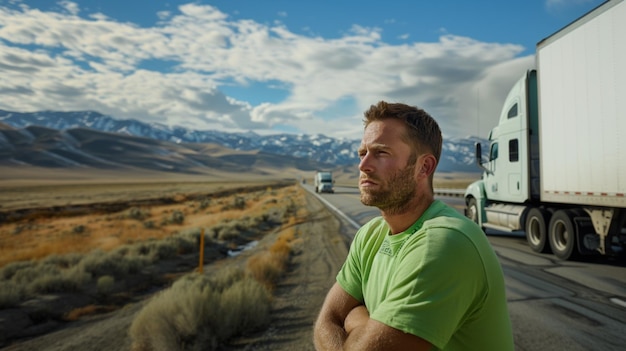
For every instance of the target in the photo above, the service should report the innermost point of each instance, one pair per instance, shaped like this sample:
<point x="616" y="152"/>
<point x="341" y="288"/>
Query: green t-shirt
<point x="440" y="280"/>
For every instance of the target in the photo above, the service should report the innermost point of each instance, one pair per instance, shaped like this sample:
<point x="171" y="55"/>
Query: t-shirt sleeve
<point x="434" y="286"/>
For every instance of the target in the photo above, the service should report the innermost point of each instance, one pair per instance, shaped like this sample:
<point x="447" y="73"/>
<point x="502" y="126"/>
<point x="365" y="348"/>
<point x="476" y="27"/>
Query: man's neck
<point x="399" y="222"/>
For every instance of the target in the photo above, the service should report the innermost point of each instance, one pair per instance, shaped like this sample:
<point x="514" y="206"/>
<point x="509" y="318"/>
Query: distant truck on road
<point x="324" y="182"/>
<point x="556" y="166"/>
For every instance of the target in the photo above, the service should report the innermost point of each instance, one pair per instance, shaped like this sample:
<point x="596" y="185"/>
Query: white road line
<point x="336" y="210"/>
<point x="617" y="301"/>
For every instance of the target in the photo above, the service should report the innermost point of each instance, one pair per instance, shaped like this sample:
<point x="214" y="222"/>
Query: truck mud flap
<point x="587" y="240"/>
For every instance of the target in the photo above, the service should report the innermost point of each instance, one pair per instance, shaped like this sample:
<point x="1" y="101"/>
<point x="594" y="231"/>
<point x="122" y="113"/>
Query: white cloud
<point x="70" y="7"/>
<point x="97" y="63"/>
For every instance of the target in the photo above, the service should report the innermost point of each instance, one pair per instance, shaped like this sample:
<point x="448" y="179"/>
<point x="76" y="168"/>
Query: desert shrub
<point x="114" y="263"/>
<point x="248" y="306"/>
<point x="204" y="203"/>
<point x="226" y="277"/>
<point x="105" y="284"/>
<point x="8" y="271"/>
<point x="227" y="231"/>
<point x="99" y="263"/>
<point x="140" y="249"/>
<point x="290" y="210"/>
<point x="171" y="318"/>
<point x="71" y="279"/>
<point x="187" y="242"/>
<point x="137" y="213"/>
<point x="274" y="215"/>
<point x="198" y="312"/>
<point x="62" y="261"/>
<point x="29" y="273"/>
<point x="266" y="267"/>
<point x="271" y="201"/>
<point x="176" y="217"/>
<point x="238" y="203"/>
<point x="189" y="239"/>
<point x="149" y="224"/>
<point x="163" y="249"/>
<point x="172" y="246"/>
<point x="18" y="229"/>
<point x="281" y="247"/>
<point x="10" y="294"/>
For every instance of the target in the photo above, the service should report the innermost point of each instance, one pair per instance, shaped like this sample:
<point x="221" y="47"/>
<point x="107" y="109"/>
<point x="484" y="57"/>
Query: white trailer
<point x="557" y="159"/>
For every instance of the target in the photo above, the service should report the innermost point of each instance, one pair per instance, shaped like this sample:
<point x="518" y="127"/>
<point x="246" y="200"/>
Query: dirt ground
<point x="301" y="293"/>
<point x="297" y="298"/>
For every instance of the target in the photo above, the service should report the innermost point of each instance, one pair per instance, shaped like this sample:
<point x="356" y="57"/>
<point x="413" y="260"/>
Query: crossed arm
<point x="344" y="324"/>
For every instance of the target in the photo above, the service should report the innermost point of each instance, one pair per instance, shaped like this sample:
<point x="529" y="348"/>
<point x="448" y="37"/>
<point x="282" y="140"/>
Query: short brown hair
<point x="423" y="131"/>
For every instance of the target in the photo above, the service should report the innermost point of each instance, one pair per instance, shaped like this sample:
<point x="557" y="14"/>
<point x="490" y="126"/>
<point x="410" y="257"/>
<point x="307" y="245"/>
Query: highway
<point x="553" y="304"/>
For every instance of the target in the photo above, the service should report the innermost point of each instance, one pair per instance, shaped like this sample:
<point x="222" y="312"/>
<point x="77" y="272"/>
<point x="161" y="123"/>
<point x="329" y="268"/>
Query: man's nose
<point x="365" y="165"/>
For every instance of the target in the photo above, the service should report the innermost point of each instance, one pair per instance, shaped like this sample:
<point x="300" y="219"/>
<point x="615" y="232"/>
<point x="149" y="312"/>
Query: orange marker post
<point x="201" y="263"/>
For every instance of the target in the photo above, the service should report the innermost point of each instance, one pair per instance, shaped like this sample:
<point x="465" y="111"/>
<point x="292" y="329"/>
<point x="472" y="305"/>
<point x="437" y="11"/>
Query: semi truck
<point x="556" y="165"/>
<point x="324" y="182"/>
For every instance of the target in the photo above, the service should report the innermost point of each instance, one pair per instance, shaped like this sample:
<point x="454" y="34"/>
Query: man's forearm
<point x="332" y="334"/>
<point x="329" y="335"/>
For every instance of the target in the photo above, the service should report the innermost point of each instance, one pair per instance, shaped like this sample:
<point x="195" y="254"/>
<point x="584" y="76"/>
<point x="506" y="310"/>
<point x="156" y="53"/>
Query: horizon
<point x="241" y="132"/>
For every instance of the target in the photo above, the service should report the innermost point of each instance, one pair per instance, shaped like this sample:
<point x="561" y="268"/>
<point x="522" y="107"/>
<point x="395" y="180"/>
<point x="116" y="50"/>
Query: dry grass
<point x="267" y="267"/>
<point x="454" y="180"/>
<point x="201" y="311"/>
<point x="37" y="238"/>
<point x="88" y="310"/>
<point x="44" y="258"/>
<point x="97" y="253"/>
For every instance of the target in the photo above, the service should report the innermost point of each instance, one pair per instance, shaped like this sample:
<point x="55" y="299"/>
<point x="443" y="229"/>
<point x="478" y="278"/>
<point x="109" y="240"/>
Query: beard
<point x="393" y="196"/>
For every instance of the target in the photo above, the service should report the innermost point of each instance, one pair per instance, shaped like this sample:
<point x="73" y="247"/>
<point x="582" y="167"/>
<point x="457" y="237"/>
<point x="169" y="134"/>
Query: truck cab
<point x="510" y="172"/>
<point x="324" y="182"/>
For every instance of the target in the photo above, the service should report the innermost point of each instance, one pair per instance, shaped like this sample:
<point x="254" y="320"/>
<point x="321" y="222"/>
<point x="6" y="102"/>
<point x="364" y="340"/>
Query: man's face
<point x="386" y="180"/>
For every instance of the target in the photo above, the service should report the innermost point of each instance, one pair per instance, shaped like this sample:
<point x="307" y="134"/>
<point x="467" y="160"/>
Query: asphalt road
<point x="554" y="305"/>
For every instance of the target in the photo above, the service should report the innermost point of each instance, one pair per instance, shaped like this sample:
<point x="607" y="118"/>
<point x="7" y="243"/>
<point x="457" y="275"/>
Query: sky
<point x="304" y="67"/>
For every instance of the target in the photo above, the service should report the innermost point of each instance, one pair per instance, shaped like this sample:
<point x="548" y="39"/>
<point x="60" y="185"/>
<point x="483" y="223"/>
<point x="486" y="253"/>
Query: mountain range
<point x="91" y="139"/>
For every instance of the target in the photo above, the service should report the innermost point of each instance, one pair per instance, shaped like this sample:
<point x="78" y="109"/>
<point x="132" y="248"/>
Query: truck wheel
<point x="537" y="231"/>
<point x="563" y="235"/>
<point x="472" y="212"/>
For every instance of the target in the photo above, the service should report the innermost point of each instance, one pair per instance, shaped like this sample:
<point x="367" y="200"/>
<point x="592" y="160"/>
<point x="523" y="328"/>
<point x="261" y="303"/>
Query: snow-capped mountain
<point x="457" y="154"/>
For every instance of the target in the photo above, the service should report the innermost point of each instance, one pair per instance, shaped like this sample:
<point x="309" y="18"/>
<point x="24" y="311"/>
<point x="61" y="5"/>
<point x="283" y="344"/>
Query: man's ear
<point x="428" y="165"/>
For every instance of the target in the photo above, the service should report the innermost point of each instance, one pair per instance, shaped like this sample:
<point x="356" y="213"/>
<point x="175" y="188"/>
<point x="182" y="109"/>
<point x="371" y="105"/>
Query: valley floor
<point x="315" y="260"/>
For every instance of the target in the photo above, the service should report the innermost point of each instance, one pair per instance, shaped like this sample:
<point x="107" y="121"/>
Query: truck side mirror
<point x="479" y="158"/>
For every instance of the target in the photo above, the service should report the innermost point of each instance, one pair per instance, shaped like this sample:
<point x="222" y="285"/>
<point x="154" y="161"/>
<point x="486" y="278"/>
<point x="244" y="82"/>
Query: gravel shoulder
<point x="299" y="296"/>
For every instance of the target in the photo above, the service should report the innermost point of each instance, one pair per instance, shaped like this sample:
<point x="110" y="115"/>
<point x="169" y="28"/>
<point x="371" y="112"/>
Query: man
<point x="421" y="276"/>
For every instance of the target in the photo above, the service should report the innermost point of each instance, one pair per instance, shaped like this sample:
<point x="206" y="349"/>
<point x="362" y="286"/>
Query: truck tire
<point x="563" y="235"/>
<point x="472" y="212"/>
<point x="537" y="230"/>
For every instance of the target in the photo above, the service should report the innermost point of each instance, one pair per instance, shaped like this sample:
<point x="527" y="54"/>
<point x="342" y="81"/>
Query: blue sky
<point x="273" y="66"/>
